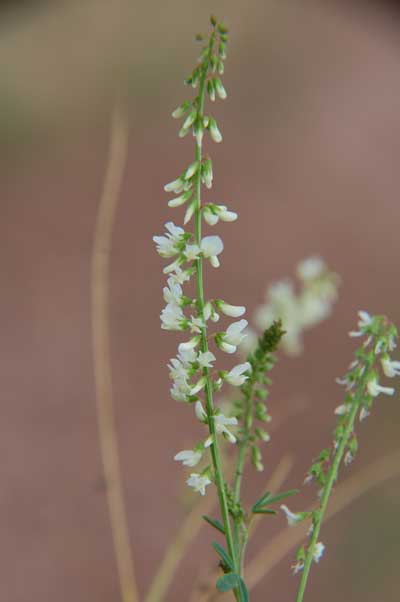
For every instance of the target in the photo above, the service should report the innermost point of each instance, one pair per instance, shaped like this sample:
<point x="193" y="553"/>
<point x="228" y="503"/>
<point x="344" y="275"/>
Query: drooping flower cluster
<point x="301" y="311"/>
<point x="362" y="385"/>
<point x="191" y="370"/>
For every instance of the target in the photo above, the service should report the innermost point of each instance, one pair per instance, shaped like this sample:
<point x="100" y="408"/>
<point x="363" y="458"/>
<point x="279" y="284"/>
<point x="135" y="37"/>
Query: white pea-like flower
<point x="233" y="336"/>
<point x="167" y="246"/>
<point x="214" y="131"/>
<point x="221" y="423"/>
<point x="198" y="482"/>
<point x="311" y="268"/>
<point x="179" y="276"/>
<point x="364" y="414"/>
<point x="292" y="517"/>
<point x="342" y="410"/>
<point x="374" y="388"/>
<point x="233" y="311"/>
<point x="172" y="318"/>
<point x="200" y="412"/>
<point x="219" y="88"/>
<point x="175" y="186"/>
<point x="213" y="213"/>
<point x="188" y="457"/>
<point x="211" y="247"/>
<point x="205" y="359"/>
<point x="390" y="367"/>
<point x="192" y="252"/>
<point x="237" y="376"/>
<point x="173" y="292"/>
<point x="319" y="549"/>
<point x="364" y="321"/>
<point x="196" y="324"/>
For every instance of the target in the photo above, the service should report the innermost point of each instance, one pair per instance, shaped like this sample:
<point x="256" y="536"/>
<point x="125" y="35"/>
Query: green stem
<point x="325" y="497"/>
<point x="243" y="447"/>
<point x="214" y="448"/>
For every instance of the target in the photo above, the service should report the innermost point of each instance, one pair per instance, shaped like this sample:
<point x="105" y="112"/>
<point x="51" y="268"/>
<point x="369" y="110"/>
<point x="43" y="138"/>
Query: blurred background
<point x="310" y="160"/>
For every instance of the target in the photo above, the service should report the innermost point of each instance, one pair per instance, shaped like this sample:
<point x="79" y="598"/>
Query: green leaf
<point x="243" y="591"/>
<point x="258" y="510"/>
<point x="262" y="499"/>
<point x="224" y="555"/>
<point x="281" y="496"/>
<point x="268" y="499"/>
<point x="214" y="523"/>
<point x="228" y="582"/>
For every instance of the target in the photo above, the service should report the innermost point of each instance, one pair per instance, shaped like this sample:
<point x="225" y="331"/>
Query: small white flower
<point x="214" y="131"/>
<point x="180" y="200"/>
<point x="200" y="412"/>
<point x="205" y="359"/>
<point x="348" y="458"/>
<point x="311" y="268"/>
<point x="342" y="409"/>
<point x="189" y="212"/>
<point x="298" y="567"/>
<point x="365" y="319"/>
<point x="220" y="89"/>
<point x="191" y="170"/>
<point x="211" y="246"/>
<point x="191" y="344"/>
<point x="172" y="318"/>
<point x="374" y="388"/>
<point x="179" y="276"/>
<point x="233" y="311"/>
<point x="292" y="517"/>
<point x="198" y="386"/>
<point x="172" y="293"/>
<point x="213" y="213"/>
<point x="198" y="482"/>
<point x="188" y="457"/>
<point x="167" y="245"/>
<point x="236" y="376"/>
<point x="186" y="356"/>
<point x="233" y="336"/>
<point x="177" y="370"/>
<point x="390" y="367"/>
<point x="180" y="390"/>
<point x="175" y="186"/>
<point x="221" y="422"/>
<point x="210" y="217"/>
<point x="192" y="252"/>
<point x="363" y="414"/>
<point x="319" y="549"/>
<point x="196" y="324"/>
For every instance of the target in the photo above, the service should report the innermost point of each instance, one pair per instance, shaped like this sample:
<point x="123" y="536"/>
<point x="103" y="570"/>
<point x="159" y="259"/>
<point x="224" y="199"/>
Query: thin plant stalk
<point x="331" y="479"/>
<point x="100" y="285"/>
<point x="215" y="451"/>
<point x="350" y="490"/>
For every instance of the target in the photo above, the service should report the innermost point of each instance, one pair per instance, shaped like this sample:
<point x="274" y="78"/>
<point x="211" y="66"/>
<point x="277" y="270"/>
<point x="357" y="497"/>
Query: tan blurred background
<point x="311" y="161"/>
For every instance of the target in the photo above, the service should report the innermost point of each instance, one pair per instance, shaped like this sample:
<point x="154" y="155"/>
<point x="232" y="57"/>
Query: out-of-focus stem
<point x="116" y="161"/>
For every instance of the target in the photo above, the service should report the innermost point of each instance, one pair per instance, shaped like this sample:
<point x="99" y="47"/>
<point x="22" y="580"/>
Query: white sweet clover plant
<point x="195" y="378"/>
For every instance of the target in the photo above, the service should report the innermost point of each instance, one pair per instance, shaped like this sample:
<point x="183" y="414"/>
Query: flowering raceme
<point x="190" y="370"/>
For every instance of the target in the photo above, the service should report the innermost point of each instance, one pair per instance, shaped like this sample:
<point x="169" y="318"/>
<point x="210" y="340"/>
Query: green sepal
<point x="226" y="559"/>
<point x="258" y="510"/>
<point x="214" y="523"/>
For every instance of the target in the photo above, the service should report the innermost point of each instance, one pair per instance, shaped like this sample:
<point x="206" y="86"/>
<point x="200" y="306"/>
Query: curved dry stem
<point x="116" y="162"/>
<point x="373" y="475"/>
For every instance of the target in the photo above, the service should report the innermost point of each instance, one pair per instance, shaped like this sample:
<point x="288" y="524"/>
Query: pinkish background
<point x="311" y="161"/>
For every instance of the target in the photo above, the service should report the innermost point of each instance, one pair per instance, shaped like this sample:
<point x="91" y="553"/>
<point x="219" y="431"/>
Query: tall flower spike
<point x="190" y="371"/>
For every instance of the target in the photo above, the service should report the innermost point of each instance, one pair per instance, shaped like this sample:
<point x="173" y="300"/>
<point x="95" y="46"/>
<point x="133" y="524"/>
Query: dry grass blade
<point x="116" y="162"/>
